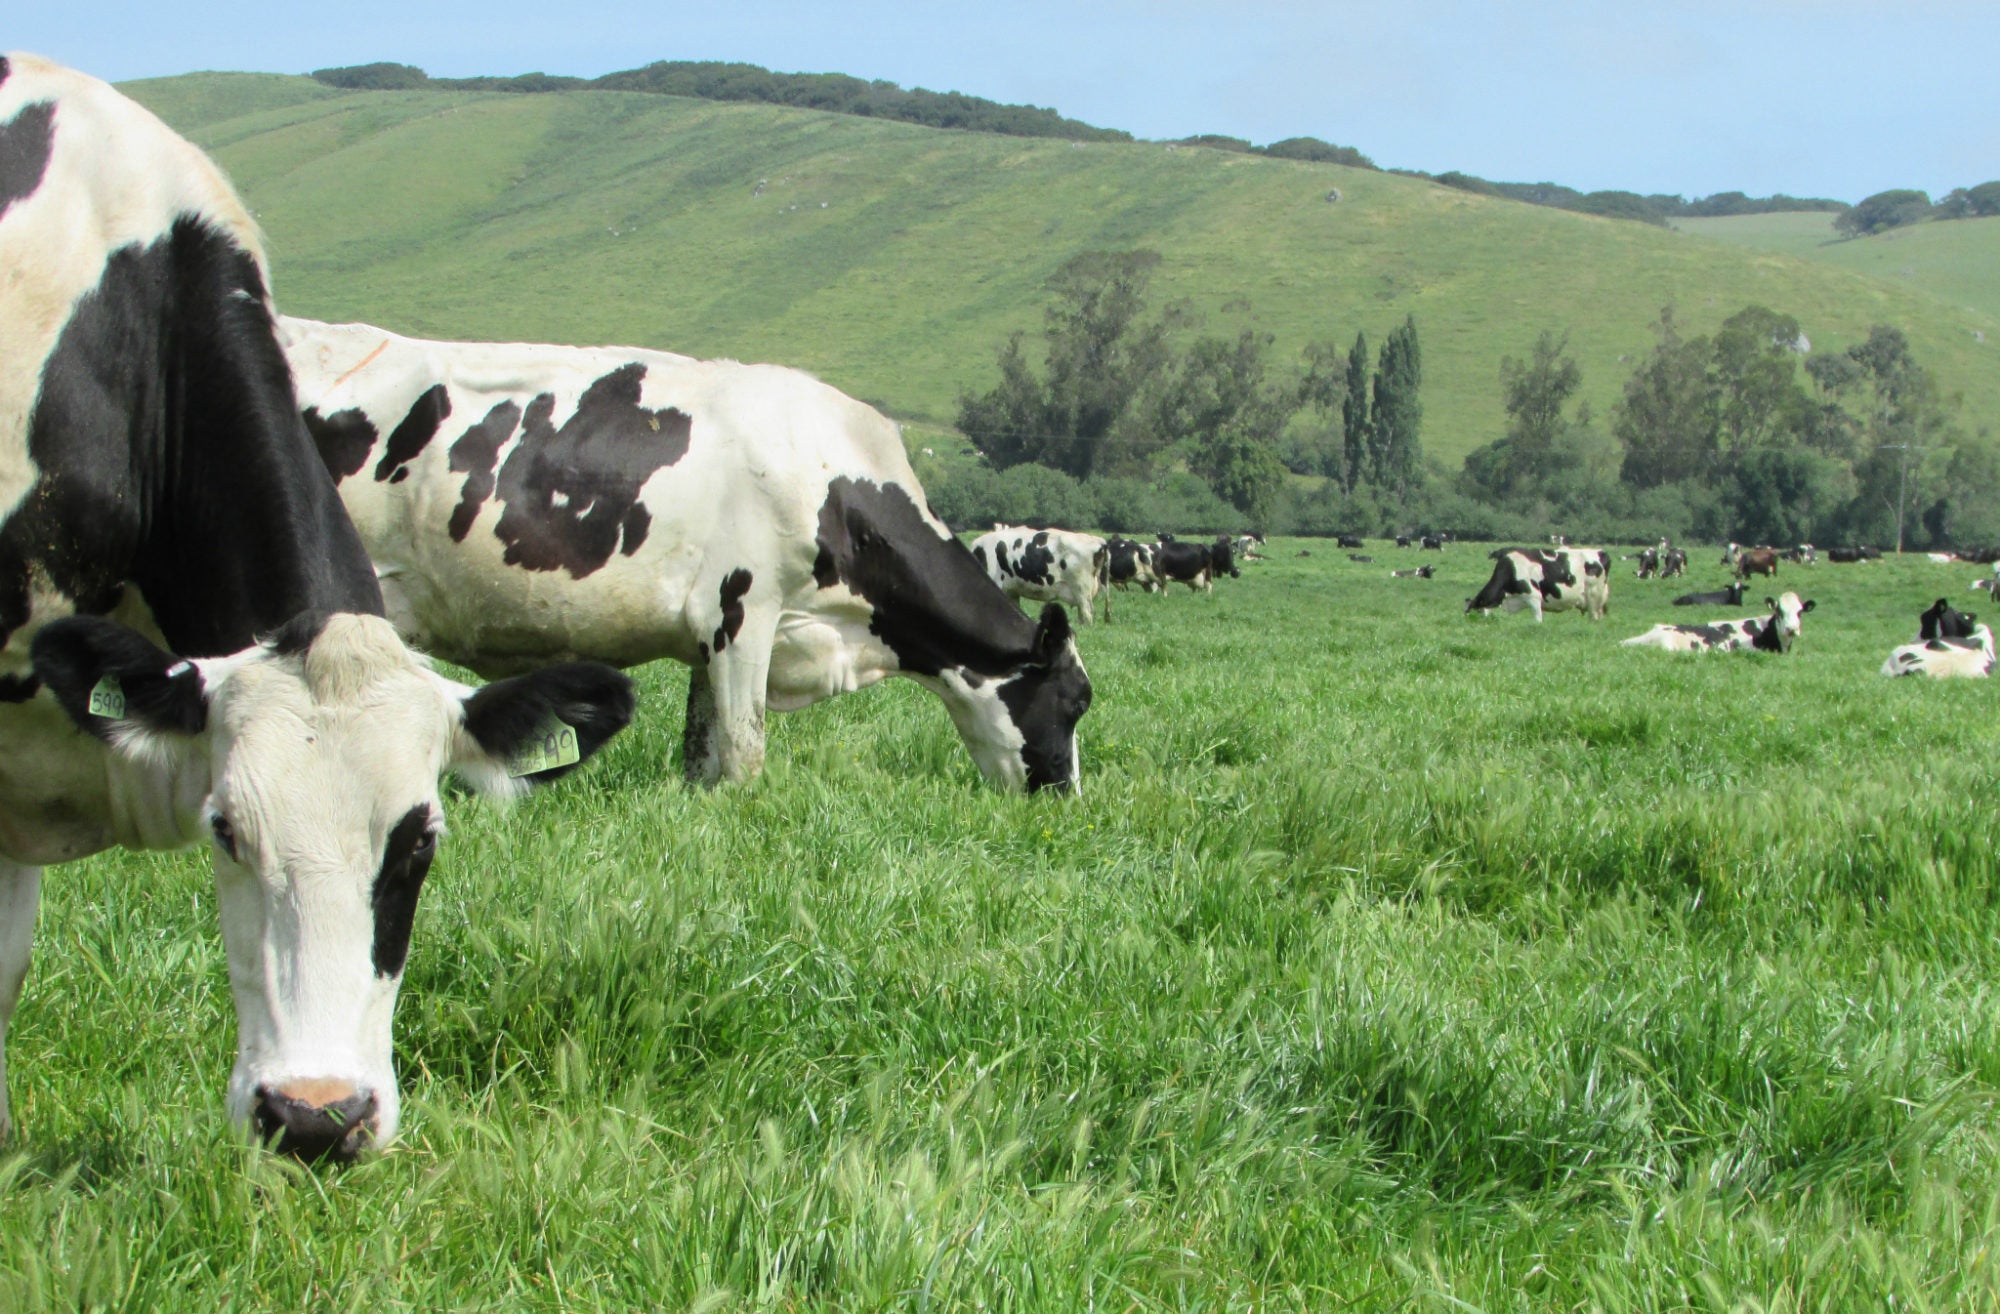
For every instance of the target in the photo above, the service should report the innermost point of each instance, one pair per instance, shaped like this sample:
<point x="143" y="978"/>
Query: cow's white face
<point x="312" y="764"/>
<point x="1021" y="728"/>
<point x="1786" y="613"/>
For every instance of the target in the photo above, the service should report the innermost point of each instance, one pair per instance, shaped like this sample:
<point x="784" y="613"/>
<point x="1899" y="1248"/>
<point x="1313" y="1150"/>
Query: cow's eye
<point x="225" y="834"/>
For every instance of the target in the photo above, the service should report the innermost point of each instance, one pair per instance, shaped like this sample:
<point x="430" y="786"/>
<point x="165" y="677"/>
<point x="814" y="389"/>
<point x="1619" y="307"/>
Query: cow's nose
<point x="314" y="1120"/>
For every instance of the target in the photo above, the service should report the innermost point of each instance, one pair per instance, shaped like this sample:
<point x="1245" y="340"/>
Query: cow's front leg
<point x="20" y="899"/>
<point x="724" y="739"/>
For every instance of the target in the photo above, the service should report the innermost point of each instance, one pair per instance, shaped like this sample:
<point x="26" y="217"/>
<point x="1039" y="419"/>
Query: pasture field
<point x="894" y="260"/>
<point x="1956" y="261"/>
<point x="1387" y="959"/>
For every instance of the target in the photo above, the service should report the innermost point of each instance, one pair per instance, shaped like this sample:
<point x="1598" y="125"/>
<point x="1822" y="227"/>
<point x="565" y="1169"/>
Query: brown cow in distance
<point x="1757" y="561"/>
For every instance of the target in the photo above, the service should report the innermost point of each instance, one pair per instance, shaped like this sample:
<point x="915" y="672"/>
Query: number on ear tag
<point x="108" y="698"/>
<point x="553" y="745"/>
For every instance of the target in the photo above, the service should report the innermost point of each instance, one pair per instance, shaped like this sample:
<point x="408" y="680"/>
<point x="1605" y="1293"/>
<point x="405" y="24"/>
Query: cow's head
<point x="1783" y="627"/>
<point x="1943" y="621"/>
<point x="311" y="764"/>
<point x="1021" y="727"/>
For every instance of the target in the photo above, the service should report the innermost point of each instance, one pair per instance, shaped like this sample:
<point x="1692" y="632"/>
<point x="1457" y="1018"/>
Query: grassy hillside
<point x="892" y="259"/>
<point x="1957" y="261"/>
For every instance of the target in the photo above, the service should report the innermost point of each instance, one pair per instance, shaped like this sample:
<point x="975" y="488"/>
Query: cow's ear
<point x="1051" y="635"/>
<point x="118" y="685"/>
<point x="1771" y="603"/>
<point x="519" y="733"/>
<point x="1810" y="604"/>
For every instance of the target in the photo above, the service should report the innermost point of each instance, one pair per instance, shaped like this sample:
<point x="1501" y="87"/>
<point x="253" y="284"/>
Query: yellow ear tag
<point x="108" y="698"/>
<point x="553" y="745"/>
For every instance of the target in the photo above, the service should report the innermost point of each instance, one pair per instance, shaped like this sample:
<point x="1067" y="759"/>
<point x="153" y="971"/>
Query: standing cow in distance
<point x="1046" y="565"/>
<point x="1546" y="579"/>
<point x="1757" y="561"/>
<point x="1129" y="563"/>
<point x="525" y="503"/>
<point x="191" y="642"/>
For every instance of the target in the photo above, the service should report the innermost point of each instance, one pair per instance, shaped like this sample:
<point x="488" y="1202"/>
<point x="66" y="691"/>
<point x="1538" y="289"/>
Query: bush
<point x="373" y="77"/>
<point x="1885" y="210"/>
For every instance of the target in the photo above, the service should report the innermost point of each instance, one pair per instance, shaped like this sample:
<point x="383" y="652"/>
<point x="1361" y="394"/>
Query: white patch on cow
<point x="117" y="177"/>
<point x="1944" y="659"/>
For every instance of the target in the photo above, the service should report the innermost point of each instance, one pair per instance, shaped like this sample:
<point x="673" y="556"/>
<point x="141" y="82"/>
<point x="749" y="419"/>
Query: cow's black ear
<point x="1051" y="634"/>
<point x="1771" y="602"/>
<point x="113" y="681"/>
<point x="539" y="727"/>
<point x="1810" y="604"/>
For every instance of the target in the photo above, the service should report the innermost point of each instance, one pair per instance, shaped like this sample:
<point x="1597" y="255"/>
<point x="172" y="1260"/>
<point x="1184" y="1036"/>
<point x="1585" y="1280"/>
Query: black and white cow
<point x="1248" y="547"/>
<point x="1773" y="633"/>
<point x="1130" y="563"/>
<point x="1942" y="621"/>
<point x="1673" y="562"/>
<point x="1402" y="540"/>
<point x="1046" y="565"/>
<point x="1546" y="579"/>
<point x="1729" y="597"/>
<point x="1649" y="564"/>
<point x="1421" y="572"/>
<point x="526" y="503"/>
<point x="191" y="642"/>
<point x="1968" y="656"/>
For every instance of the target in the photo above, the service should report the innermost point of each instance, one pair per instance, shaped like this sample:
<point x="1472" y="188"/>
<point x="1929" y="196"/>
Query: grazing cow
<point x="1729" y="597"/>
<point x="1361" y="557"/>
<point x="1757" y="561"/>
<point x="1046" y="565"/>
<point x="1421" y="572"/>
<point x="1649" y="564"/>
<point x="1773" y="633"/>
<point x="1402" y="540"/>
<point x="1942" y="622"/>
<point x="1192" y="564"/>
<point x="1432" y="543"/>
<point x="1961" y="657"/>
<point x="191" y="642"/>
<point x="524" y="503"/>
<point x="1130" y="563"/>
<point x="1546" y="579"/>
<point x="1673" y="563"/>
<point x="1348" y="541"/>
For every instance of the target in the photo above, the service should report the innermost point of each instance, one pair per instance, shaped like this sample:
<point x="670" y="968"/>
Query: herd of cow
<point x="229" y="538"/>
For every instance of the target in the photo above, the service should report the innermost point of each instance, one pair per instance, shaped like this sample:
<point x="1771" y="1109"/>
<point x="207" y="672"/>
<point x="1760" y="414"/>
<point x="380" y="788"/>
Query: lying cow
<point x="1803" y="555"/>
<point x="1046" y="565"/>
<point x="1248" y="547"/>
<point x="1129" y="563"/>
<point x="524" y="503"/>
<point x="1729" y="597"/>
<point x="1361" y="557"/>
<point x="1773" y="633"/>
<point x="191" y="642"/>
<point x="1421" y="572"/>
<point x="1546" y="579"/>
<point x="1942" y="621"/>
<point x="1968" y="656"/>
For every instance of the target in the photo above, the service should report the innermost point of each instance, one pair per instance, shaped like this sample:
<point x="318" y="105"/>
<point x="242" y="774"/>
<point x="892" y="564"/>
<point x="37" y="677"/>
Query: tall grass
<point x="1386" y="959"/>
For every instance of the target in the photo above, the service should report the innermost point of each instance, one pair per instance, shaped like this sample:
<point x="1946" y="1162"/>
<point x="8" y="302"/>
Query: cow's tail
<point x="1101" y="562"/>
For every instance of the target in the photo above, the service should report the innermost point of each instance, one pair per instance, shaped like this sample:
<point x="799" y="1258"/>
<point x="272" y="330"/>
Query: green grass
<point x="1387" y="959"/>
<point x="893" y="260"/>
<point x="1957" y="261"/>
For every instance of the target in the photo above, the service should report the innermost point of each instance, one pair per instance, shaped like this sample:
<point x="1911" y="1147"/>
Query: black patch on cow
<point x="1505" y="581"/>
<point x="596" y="463"/>
<point x="1032" y="564"/>
<point x="18" y="688"/>
<point x="343" y="438"/>
<point x="734" y="585"/>
<point x="592" y="698"/>
<point x="406" y="860"/>
<point x="978" y="554"/>
<point x="638" y="523"/>
<point x="162" y="692"/>
<point x="171" y="455"/>
<point x="1764" y="634"/>
<point x="474" y="456"/>
<point x="5" y="69"/>
<point x="409" y="438"/>
<point x="296" y="636"/>
<point x="26" y="142"/>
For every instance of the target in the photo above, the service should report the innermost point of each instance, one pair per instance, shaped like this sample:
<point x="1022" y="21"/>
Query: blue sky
<point x="1812" y="97"/>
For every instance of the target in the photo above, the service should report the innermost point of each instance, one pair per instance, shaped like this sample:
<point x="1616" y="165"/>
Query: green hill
<point x="892" y="259"/>
<point x="1955" y="260"/>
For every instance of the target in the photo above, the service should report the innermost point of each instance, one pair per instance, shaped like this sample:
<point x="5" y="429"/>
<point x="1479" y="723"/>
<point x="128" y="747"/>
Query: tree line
<point x="1658" y="208"/>
<point x="1743" y="434"/>
<point x="1901" y="206"/>
<point x="1135" y="395"/>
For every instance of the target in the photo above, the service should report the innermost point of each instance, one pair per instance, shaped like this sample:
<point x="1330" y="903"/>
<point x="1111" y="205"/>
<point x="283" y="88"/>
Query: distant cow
<point x="1044" y="565"/>
<point x="1942" y="622"/>
<point x="1348" y="541"/>
<point x="1757" y="561"/>
<point x="1546" y="579"/>
<point x="1402" y="540"/>
<point x="1848" y="556"/>
<point x="1969" y="657"/>
<point x="1432" y="543"/>
<point x="1191" y="564"/>
<point x="1361" y="557"/>
<point x="1247" y="546"/>
<point x="1649" y="564"/>
<point x="1773" y="633"/>
<point x="1803" y="555"/>
<point x="1129" y="563"/>
<point x="1673" y="562"/>
<point x="1729" y="597"/>
<point x="1421" y="572"/>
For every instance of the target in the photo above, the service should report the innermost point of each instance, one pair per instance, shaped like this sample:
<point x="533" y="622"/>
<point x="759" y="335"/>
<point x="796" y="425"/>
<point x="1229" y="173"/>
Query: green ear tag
<point x="554" y="745"/>
<point x="108" y="698"/>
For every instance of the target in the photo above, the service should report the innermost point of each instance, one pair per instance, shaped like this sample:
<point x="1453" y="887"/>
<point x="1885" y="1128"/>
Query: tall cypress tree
<point x="1396" y="449"/>
<point x="1354" y="415"/>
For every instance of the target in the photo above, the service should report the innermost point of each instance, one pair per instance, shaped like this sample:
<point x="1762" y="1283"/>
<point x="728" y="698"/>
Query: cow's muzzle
<point x="316" y="1120"/>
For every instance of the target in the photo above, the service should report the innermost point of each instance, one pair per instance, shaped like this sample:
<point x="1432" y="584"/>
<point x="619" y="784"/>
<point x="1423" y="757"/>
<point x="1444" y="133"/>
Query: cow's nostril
<point x="339" y="1129"/>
